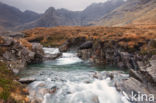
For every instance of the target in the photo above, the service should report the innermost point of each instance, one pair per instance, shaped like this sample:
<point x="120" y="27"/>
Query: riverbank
<point x="15" y="54"/>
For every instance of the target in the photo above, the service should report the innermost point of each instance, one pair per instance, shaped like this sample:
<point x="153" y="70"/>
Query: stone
<point x="150" y="72"/>
<point x="97" y="75"/>
<point x="95" y="99"/>
<point x="16" y="35"/>
<point x="86" y="45"/>
<point x="52" y="56"/>
<point x="37" y="48"/>
<point x="120" y="64"/>
<point x="131" y="85"/>
<point x="7" y="41"/>
<point x="27" y="80"/>
<point x="135" y="75"/>
<point x="41" y="85"/>
<point x="153" y="57"/>
<point x="64" y="48"/>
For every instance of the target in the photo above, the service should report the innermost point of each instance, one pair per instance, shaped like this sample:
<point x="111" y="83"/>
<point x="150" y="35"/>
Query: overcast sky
<point x="42" y="5"/>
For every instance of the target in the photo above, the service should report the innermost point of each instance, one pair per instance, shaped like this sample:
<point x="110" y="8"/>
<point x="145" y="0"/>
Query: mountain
<point x="132" y="12"/>
<point x="53" y="17"/>
<point x="56" y="17"/>
<point x="98" y="10"/>
<point x="29" y="16"/>
<point x="109" y="13"/>
<point x="11" y="16"/>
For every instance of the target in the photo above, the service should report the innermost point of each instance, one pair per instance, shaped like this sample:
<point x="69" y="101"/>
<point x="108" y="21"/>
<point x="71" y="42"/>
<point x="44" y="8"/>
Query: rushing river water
<point x="69" y="79"/>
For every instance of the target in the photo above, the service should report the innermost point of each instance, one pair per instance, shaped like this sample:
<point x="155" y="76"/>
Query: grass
<point x="9" y="86"/>
<point x="5" y="81"/>
<point x="130" y="38"/>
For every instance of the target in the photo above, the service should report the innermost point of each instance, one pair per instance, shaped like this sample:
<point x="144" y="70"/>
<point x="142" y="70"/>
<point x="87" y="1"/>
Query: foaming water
<point x="51" y="50"/>
<point x="69" y="79"/>
<point x="68" y="58"/>
<point x="96" y="92"/>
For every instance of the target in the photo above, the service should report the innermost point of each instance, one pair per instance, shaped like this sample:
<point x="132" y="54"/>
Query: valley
<point x="103" y="54"/>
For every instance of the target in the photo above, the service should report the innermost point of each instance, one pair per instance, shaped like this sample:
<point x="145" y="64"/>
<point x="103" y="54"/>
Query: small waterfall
<point x="68" y="58"/>
<point x="51" y="50"/>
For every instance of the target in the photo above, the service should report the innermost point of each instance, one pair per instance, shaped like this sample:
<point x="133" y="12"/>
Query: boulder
<point x="86" y="45"/>
<point x="135" y="75"/>
<point x="52" y="56"/>
<point x="149" y="73"/>
<point x="37" y="48"/>
<point x="7" y="41"/>
<point x="64" y="47"/>
<point x="132" y="86"/>
<point x="27" y="80"/>
<point x="14" y="34"/>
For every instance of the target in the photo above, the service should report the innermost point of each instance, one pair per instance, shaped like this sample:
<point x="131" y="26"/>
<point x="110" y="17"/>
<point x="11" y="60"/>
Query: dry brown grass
<point x="25" y="43"/>
<point x="130" y="37"/>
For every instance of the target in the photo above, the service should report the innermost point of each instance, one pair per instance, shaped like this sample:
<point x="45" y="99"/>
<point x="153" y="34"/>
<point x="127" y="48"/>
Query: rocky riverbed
<point x="68" y="79"/>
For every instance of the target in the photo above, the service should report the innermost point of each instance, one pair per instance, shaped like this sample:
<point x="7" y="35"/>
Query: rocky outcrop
<point x="141" y="68"/>
<point x="17" y="55"/>
<point x="73" y="43"/>
<point x="101" y="54"/>
<point x="142" y="81"/>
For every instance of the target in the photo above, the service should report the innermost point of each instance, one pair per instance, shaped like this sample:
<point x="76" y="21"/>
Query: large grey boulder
<point x="37" y="48"/>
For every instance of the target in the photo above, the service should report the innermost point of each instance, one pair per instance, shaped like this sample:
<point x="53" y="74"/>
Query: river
<point x="69" y="79"/>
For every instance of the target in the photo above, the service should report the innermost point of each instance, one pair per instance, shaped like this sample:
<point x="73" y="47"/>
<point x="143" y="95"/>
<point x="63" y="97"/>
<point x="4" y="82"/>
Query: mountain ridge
<point x="132" y="12"/>
<point x="62" y="17"/>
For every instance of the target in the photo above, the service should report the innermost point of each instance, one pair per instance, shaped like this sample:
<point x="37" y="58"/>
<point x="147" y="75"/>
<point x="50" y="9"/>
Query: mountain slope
<point x="132" y="12"/>
<point x="98" y="10"/>
<point x="11" y="16"/>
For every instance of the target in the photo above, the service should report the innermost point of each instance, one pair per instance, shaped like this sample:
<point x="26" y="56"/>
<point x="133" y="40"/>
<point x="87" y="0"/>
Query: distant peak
<point x="51" y="9"/>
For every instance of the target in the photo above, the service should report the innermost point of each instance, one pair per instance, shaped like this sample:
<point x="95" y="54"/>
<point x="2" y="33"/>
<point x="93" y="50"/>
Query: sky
<point x="41" y="5"/>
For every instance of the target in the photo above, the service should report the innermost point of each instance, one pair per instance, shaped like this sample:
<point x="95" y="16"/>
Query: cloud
<point x="42" y="5"/>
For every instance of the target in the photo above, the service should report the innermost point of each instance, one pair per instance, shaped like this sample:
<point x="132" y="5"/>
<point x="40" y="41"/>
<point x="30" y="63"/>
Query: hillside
<point x="11" y="16"/>
<point x="132" y="12"/>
